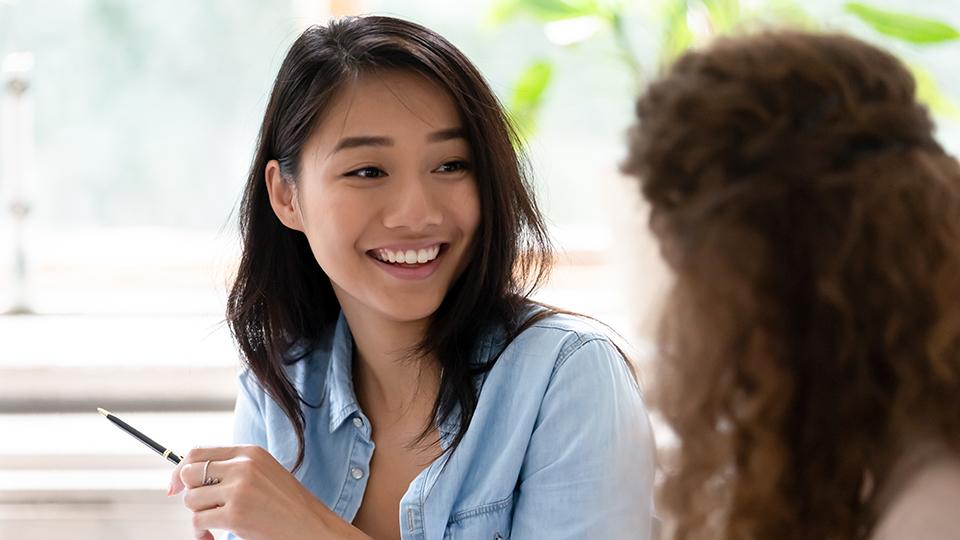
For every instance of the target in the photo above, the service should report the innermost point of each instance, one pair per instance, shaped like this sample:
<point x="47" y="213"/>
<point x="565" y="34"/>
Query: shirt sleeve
<point x="248" y="424"/>
<point x="588" y="471"/>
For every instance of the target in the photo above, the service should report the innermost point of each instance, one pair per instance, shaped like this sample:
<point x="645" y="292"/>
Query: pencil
<point x="166" y="453"/>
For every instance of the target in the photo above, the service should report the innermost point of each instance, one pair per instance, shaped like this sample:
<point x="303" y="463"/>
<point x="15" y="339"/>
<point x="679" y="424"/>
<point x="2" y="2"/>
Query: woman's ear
<point x="283" y="197"/>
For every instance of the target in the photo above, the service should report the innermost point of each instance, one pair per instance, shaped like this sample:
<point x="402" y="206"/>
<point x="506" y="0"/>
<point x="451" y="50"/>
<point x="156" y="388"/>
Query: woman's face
<point x="386" y="196"/>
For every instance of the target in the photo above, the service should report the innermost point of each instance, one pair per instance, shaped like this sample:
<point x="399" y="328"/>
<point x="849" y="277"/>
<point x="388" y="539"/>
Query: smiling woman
<point x="399" y="381"/>
<point x="391" y="180"/>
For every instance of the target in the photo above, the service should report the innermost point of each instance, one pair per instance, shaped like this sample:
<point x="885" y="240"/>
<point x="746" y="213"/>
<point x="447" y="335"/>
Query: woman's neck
<point x="390" y="377"/>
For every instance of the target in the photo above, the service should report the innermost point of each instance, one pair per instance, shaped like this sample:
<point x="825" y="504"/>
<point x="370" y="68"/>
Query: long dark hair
<point x="813" y="331"/>
<point x="281" y="295"/>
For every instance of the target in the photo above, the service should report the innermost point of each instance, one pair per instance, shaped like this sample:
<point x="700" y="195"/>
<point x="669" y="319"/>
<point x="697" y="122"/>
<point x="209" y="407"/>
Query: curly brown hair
<point x="813" y="330"/>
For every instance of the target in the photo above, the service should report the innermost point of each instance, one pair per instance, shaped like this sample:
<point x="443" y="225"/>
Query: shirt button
<point x="356" y="473"/>
<point x="358" y="422"/>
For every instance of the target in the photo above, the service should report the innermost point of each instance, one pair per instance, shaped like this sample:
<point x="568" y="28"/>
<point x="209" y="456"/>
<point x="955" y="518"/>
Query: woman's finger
<point x="201" y="455"/>
<point x="214" y="453"/>
<point x="192" y="475"/>
<point x="205" y="520"/>
<point x="175" y="479"/>
<point x="204" y="498"/>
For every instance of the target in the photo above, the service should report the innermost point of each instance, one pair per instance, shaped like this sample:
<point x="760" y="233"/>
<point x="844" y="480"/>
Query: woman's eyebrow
<point x="447" y="134"/>
<point x="353" y="142"/>
<point x="436" y="136"/>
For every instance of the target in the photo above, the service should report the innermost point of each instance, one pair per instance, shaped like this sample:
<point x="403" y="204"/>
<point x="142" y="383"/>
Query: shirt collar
<point x="485" y="349"/>
<point x="343" y="400"/>
<point x="449" y="427"/>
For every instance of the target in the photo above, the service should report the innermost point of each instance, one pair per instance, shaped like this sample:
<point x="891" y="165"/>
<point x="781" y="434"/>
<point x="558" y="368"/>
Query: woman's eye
<point x="367" y="172"/>
<point x="454" y="166"/>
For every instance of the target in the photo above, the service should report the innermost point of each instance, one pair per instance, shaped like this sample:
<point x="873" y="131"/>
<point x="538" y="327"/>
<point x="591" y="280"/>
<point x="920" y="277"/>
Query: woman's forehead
<point x="383" y="101"/>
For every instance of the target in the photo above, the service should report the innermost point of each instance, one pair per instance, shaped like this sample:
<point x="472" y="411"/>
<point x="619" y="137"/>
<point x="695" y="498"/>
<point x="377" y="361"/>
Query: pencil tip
<point x="103" y="411"/>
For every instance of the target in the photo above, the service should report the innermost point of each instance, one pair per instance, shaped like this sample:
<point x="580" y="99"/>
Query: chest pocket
<point x="487" y="522"/>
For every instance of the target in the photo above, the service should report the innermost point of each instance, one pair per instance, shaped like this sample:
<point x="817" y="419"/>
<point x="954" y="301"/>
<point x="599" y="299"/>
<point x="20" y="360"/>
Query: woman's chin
<point x="410" y="312"/>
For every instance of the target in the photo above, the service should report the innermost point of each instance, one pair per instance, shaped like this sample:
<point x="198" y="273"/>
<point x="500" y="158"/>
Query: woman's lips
<point x="410" y="271"/>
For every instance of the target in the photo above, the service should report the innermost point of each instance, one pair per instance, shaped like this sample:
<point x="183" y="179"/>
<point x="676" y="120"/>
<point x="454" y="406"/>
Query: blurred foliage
<point x="929" y="92"/>
<point x="904" y="26"/>
<point x="549" y="10"/>
<point x="919" y="31"/>
<point x="688" y="23"/>
<point x="527" y="95"/>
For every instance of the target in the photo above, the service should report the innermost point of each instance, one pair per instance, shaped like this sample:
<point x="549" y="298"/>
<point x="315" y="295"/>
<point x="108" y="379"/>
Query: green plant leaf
<point x="503" y="10"/>
<point x="677" y="36"/>
<point x="929" y="92"/>
<point x="527" y="95"/>
<point x="546" y="10"/>
<point x="904" y="26"/>
<point x="724" y="14"/>
<point x="783" y="12"/>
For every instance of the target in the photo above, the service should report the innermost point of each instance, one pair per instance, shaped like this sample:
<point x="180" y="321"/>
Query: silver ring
<point x="208" y="480"/>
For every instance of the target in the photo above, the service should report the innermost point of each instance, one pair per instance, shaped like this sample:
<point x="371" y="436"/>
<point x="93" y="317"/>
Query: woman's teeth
<point x="410" y="256"/>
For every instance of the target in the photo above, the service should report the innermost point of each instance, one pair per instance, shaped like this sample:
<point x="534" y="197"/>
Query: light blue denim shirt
<point x="559" y="446"/>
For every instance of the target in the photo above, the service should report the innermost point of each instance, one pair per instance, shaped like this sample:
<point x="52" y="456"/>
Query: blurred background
<point x="126" y="130"/>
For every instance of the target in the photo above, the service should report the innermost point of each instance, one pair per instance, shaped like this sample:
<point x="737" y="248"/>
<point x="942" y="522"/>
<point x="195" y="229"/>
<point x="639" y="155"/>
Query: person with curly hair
<point x="811" y="342"/>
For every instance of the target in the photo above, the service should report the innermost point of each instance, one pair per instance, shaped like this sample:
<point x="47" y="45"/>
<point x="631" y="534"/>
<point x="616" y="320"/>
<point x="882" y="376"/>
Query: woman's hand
<point x="254" y="497"/>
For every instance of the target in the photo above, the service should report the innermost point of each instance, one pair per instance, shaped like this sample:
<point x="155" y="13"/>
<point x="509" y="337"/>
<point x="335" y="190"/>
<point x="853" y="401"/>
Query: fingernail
<point x="169" y="491"/>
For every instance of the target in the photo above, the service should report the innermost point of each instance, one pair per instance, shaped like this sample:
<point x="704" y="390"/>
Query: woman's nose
<point x="412" y="205"/>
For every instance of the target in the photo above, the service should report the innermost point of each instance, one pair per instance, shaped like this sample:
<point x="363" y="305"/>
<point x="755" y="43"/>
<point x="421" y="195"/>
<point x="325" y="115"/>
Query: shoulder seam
<point x="590" y="333"/>
<point x="572" y="348"/>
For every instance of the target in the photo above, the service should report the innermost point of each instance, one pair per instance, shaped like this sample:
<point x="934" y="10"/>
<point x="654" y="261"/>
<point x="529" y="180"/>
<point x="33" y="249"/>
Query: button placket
<point x="358" y="461"/>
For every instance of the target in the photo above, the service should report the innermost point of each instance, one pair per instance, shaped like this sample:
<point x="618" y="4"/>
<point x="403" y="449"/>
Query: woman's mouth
<point x="409" y="264"/>
<point x="409" y="257"/>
